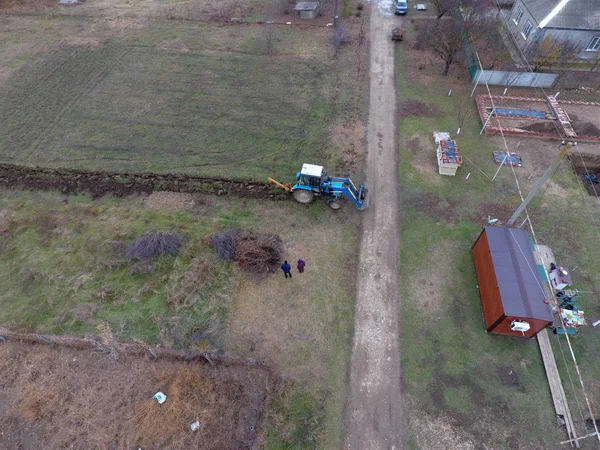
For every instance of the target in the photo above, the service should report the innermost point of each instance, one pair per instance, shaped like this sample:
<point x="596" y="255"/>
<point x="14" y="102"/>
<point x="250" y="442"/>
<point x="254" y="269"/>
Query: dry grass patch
<point x="348" y="138"/>
<point x="429" y="290"/>
<point x="424" y="158"/>
<point x="438" y="433"/>
<point x="170" y="201"/>
<point x="74" y="399"/>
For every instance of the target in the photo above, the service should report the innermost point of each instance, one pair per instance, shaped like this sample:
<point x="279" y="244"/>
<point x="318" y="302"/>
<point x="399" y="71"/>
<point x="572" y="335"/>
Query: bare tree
<point x="441" y="37"/>
<point x="339" y="36"/>
<point x="444" y="6"/>
<point x="553" y="52"/>
<point x="463" y="109"/>
<point x="275" y="9"/>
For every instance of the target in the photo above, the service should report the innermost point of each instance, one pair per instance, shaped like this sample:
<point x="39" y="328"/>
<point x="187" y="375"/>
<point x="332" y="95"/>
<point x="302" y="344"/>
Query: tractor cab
<point x="312" y="181"/>
<point x="311" y="177"/>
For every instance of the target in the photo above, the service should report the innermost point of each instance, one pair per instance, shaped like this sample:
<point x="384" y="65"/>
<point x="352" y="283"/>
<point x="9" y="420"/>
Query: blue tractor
<point x="312" y="181"/>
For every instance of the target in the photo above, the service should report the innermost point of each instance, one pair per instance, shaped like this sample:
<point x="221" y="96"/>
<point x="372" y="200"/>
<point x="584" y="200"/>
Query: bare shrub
<point x="339" y="36"/>
<point x="221" y="14"/>
<point x="224" y="244"/>
<point x="187" y="288"/>
<point x="463" y="109"/>
<point x="154" y="244"/>
<point x="258" y="253"/>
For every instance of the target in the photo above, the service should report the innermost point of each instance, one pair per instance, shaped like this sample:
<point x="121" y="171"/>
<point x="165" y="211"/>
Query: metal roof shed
<point x="511" y="291"/>
<point x="307" y="10"/>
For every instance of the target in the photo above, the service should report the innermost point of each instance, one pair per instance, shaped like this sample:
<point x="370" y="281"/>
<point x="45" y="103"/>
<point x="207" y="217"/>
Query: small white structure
<point x="307" y="10"/>
<point x="560" y="277"/>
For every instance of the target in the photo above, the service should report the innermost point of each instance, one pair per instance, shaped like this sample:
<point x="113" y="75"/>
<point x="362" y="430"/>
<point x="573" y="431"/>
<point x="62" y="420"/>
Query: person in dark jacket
<point x="301" y="265"/>
<point x="287" y="269"/>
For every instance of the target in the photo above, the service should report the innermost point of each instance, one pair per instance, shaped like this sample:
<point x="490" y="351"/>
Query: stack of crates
<point x="448" y="157"/>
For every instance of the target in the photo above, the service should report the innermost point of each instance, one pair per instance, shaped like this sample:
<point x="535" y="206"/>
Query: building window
<point x="518" y="16"/>
<point x="526" y="30"/>
<point x="594" y="44"/>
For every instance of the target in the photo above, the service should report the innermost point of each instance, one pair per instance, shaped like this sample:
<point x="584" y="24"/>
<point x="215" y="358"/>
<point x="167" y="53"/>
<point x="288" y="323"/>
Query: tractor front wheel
<point x="334" y="204"/>
<point x="303" y="196"/>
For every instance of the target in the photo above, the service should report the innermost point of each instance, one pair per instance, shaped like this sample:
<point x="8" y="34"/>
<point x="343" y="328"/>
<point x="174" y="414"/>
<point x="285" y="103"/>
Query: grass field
<point x="466" y="388"/>
<point x="64" y="270"/>
<point x="168" y="87"/>
<point x="171" y="96"/>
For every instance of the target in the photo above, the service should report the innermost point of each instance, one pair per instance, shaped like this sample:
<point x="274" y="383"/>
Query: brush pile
<point x="255" y="253"/>
<point x="154" y="244"/>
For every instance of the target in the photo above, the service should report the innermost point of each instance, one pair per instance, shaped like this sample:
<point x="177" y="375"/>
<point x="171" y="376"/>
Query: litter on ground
<point x="515" y="159"/>
<point x="160" y="397"/>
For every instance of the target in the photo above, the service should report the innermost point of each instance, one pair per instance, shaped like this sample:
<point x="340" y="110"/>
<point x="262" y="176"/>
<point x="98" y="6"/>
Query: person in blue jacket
<point x="287" y="269"/>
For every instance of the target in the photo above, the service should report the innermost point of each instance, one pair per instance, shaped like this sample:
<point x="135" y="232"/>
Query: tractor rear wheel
<point x="334" y="204"/>
<point x="303" y="196"/>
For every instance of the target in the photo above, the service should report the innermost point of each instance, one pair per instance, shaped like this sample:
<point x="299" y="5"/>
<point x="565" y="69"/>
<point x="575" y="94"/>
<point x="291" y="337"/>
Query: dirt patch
<point x="170" y="201"/>
<point x="177" y="46"/>
<point x="81" y="41"/>
<point x="438" y="433"/>
<point x="542" y="127"/>
<point x="60" y="397"/>
<point x="591" y="188"/>
<point x="349" y="139"/>
<point x="433" y="206"/>
<point x="99" y="184"/>
<point x="27" y="5"/>
<point x="424" y="158"/>
<point x="126" y="23"/>
<point x="415" y="108"/>
<point x="430" y="291"/>
<point x="585" y="128"/>
<point x="492" y="210"/>
<point x="508" y="376"/>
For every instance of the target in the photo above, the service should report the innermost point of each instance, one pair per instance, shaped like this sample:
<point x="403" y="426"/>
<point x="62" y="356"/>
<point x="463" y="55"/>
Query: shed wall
<point x="488" y="284"/>
<point x="504" y="327"/>
<point x="308" y="14"/>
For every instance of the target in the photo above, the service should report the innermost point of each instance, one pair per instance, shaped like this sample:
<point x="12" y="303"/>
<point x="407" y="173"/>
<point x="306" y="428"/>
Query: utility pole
<point x="563" y="151"/>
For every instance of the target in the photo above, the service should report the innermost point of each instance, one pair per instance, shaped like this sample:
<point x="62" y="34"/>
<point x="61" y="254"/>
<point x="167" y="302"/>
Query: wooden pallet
<point x="544" y="256"/>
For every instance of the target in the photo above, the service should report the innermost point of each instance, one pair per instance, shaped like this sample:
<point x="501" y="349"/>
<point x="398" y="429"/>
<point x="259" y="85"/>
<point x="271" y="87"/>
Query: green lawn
<point x="456" y="374"/>
<point x="175" y="97"/>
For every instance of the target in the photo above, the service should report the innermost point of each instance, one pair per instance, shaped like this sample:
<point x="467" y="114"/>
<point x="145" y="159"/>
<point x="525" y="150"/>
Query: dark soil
<point x="541" y="127"/>
<point x="99" y="184"/>
<point x="508" y="376"/>
<point x="585" y="128"/>
<point x="501" y="211"/>
<point x="592" y="189"/>
<point x="414" y="145"/>
<point x="434" y="206"/>
<point x="416" y="108"/>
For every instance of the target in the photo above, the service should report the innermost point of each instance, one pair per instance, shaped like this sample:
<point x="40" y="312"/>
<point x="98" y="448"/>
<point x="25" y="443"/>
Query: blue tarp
<point x="542" y="272"/>
<point x="514" y="112"/>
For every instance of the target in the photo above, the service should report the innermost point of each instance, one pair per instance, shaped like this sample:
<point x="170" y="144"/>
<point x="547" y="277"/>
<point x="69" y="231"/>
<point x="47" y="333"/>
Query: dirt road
<point x="375" y="418"/>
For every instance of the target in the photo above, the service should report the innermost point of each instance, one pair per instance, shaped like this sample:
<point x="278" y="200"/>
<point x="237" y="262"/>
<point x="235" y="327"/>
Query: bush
<point x="154" y="244"/>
